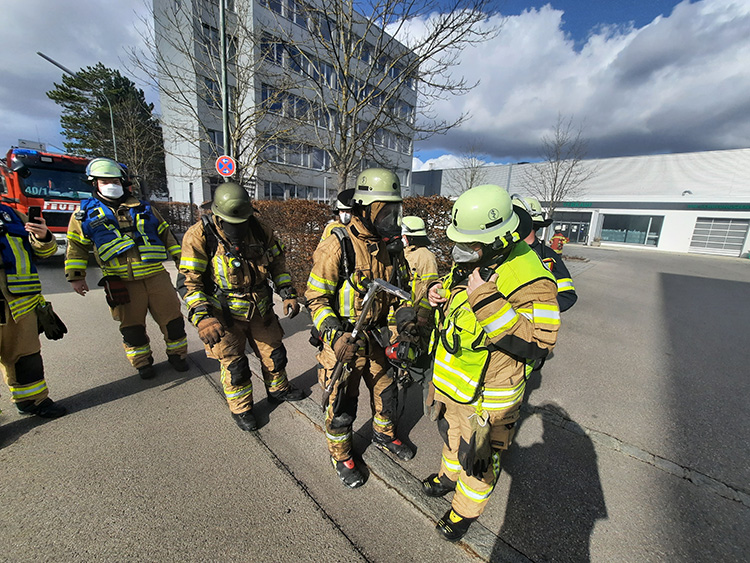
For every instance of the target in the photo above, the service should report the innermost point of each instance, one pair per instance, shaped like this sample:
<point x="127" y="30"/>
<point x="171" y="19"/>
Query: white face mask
<point x="111" y="191"/>
<point x="345" y="217"/>
<point x="463" y="253"/>
<point x="405" y="241"/>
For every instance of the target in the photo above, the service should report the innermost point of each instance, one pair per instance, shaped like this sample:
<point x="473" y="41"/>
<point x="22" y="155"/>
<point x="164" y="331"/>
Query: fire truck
<point x="54" y="182"/>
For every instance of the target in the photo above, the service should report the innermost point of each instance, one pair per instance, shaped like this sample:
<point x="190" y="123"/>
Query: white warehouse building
<point x="688" y="202"/>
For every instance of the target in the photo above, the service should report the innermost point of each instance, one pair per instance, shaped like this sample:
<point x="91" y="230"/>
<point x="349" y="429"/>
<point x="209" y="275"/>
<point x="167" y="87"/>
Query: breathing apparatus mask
<point x="387" y="224"/>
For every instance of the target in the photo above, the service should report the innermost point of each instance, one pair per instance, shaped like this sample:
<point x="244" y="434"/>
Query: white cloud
<point x="677" y="84"/>
<point x="75" y="34"/>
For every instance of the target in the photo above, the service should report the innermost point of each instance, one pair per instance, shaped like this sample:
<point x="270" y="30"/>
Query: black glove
<point x="49" y="322"/>
<point x="476" y="456"/>
<point x="406" y="324"/>
<point x="115" y="290"/>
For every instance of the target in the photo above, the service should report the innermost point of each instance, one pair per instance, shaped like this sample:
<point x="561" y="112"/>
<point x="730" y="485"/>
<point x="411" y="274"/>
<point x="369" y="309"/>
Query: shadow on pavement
<point x="555" y="495"/>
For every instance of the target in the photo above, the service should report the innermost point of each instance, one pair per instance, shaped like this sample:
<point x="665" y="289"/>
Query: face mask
<point x="405" y="241"/>
<point x="345" y="217"/>
<point x="236" y="232"/>
<point x="111" y="191"/>
<point x="463" y="253"/>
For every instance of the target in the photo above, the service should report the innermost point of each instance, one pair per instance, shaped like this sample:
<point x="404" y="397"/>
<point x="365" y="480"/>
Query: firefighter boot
<point x="148" y="371"/>
<point x="46" y="409"/>
<point x="392" y="445"/>
<point x="177" y="362"/>
<point x="437" y="486"/>
<point x="288" y="394"/>
<point x="348" y="473"/>
<point x="245" y="420"/>
<point x="452" y="526"/>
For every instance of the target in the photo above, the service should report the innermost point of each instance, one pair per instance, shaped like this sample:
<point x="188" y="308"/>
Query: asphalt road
<point x="633" y="446"/>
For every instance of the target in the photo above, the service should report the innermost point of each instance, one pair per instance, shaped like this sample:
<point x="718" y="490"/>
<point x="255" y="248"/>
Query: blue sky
<point x="639" y="76"/>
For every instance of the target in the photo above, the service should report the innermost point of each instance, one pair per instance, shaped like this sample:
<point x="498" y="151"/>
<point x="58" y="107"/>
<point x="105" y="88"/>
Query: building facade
<point x="687" y="202"/>
<point x="284" y="98"/>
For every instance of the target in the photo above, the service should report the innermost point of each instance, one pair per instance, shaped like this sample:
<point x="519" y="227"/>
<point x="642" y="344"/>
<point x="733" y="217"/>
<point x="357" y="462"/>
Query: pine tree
<point x="85" y="121"/>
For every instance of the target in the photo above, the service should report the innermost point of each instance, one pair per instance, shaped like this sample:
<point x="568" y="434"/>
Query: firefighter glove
<point x="115" y="290"/>
<point x="476" y="456"/>
<point x="345" y="348"/>
<point x="49" y="322"/>
<point x="291" y="307"/>
<point x="210" y="330"/>
<point x="406" y="324"/>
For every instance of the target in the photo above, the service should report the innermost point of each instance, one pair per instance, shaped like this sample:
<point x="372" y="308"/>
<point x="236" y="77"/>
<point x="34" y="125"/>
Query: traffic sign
<point x="225" y="165"/>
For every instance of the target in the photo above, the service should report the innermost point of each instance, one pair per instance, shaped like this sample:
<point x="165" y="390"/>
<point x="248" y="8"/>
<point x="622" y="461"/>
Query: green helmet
<point x="413" y="226"/>
<point x="483" y="214"/>
<point x="232" y="203"/>
<point x="103" y="168"/>
<point x="376" y="184"/>
<point x="534" y="208"/>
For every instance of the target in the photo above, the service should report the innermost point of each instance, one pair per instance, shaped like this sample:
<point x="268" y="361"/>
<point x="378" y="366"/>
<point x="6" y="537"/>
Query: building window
<point x="216" y="139"/>
<point x="632" y="229"/>
<point x="211" y="93"/>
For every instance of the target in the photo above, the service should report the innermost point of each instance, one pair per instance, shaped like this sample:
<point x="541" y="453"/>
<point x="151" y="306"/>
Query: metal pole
<point x="75" y="75"/>
<point x="224" y="80"/>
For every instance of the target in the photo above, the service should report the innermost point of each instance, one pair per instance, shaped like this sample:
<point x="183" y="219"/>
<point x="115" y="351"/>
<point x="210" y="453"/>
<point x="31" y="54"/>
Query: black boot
<point x="147" y="372"/>
<point x="392" y="445"/>
<point x="452" y="526"/>
<point x="348" y="473"/>
<point x="437" y="486"/>
<point x="178" y="363"/>
<point x="288" y="394"/>
<point x="46" y="409"/>
<point x="245" y="420"/>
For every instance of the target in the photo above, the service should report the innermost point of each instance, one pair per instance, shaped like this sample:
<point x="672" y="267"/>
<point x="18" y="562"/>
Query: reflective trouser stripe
<point x="177" y="346"/>
<point x="449" y="465"/>
<point x="26" y="392"/>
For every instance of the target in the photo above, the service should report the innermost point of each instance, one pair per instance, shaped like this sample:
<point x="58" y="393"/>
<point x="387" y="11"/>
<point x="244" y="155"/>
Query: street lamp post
<point x="74" y="75"/>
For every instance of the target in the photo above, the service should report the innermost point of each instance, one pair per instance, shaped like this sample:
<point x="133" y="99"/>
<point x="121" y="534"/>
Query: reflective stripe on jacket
<point x="19" y="280"/>
<point x="117" y="254"/>
<point x="497" y="321"/>
<point x="237" y="284"/>
<point x="333" y="301"/>
<point x="100" y="225"/>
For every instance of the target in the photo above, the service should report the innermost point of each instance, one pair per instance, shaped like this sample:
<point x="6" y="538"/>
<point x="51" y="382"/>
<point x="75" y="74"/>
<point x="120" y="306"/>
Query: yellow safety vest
<point x="461" y="349"/>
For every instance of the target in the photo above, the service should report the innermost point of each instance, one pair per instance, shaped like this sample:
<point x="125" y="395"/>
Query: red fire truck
<point x="54" y="182"/>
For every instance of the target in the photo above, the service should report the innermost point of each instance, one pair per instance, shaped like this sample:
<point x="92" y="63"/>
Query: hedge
<point x="298" y="223"/>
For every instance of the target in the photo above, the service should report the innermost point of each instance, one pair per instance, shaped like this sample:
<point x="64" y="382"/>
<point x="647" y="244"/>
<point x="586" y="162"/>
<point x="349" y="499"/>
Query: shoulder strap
<point x="212" y="239"/>
<point x="259" y="233"/>
<point x="346" y="266"/>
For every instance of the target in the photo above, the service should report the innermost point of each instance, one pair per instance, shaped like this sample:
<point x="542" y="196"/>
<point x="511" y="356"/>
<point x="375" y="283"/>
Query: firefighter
<point x="566" y="291"/>
<point x="130" y="241"/>
<point x="421" y="260"/>
<point x="497" y="314"/>
<point x="369" y="247"/>
<point x="558" y="240"/>
<point x="342" y="213"/>
<point x="229" y="258"/>
<point x="21" y="295"/>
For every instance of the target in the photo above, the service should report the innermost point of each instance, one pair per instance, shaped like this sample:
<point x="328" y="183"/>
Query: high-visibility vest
<point x="20" y="271"/>
<point x="101" y="226"/>
<point x="462" y="351"/>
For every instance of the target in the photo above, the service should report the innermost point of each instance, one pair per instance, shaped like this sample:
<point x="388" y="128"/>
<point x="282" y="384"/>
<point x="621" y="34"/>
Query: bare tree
<point x="182" y="59"/>
<point x="317" y="77"/>
<point x="364" y="69"/>
<point x="561" y="175"/>
<point x="472" y="172"/>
